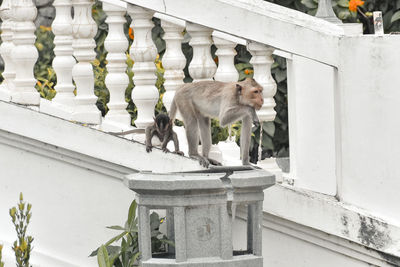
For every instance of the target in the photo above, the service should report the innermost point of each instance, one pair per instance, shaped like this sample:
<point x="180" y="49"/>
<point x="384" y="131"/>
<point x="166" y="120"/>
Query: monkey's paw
<point x="148" y="148"/>
<point x="214" y="162"/>
<point x="179" y="153"/>
<point x="165" y="150"/>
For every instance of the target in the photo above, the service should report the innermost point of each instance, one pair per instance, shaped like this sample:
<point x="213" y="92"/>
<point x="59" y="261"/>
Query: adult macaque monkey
<point x="162" y="128"/>
<point x="230" y="102"/>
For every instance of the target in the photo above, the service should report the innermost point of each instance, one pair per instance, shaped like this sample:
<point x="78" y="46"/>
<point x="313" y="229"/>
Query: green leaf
<point x="280" y="75"/>
<point x="242" y="66"/>
<point x="102" y="257"/>
<point x="269" y="128"/>
<point x="267" y="142"/>
<point x="133" y="259"/>
<point x="344" y="14"/>
<point x="309" y="4"/>
<point x="132" y="212"/>
<point x="395" y="17"/>
<point x="116" y="227"/>
<point x="115" y="238"/>
<point x="343" y="3"/>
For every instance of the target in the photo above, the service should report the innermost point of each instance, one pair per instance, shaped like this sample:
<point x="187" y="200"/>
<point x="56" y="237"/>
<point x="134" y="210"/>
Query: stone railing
<point x="74" y="53"/>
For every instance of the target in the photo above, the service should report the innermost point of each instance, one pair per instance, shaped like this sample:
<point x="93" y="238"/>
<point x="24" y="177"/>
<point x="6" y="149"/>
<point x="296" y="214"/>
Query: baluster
<point x="24" y="53"/>
<point x="63" y="61"/>
<point x="143" y="51"/>
<point x="173" y="60"/>
<point x="202" y="66"/>
<point x="262" y="61"/>
<point x="84" y="29"/>
<point x="7" y="87"/>
<point x="226" y="72"/>
<point x="116" y="80"/>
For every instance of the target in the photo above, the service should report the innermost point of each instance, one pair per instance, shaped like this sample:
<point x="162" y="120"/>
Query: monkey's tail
<point x="172" y="111"/>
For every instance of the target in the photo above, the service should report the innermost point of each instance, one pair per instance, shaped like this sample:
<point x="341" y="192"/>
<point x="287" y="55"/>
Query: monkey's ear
<point x="239" y="89"/>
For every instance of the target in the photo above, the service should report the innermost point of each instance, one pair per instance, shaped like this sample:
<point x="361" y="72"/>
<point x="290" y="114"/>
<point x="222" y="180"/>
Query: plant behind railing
<point x="127" y="253"/>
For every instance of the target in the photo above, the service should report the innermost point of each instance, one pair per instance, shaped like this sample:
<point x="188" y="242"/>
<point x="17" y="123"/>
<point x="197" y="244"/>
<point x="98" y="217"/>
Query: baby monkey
<point x="229" y="101"/>
<point x="162" y="128"/>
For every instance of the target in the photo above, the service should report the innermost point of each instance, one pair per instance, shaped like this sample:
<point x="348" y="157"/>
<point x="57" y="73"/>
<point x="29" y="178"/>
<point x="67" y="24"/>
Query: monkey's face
<point x="256" y="97"/>
<point x="250" y="93"/>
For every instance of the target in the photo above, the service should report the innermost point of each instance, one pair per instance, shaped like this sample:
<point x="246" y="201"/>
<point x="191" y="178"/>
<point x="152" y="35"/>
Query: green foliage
<point x="21" y="216"/>
<point x="43" y="70"/>
<point x="127" y="253"/>
<point x="1" y="263"/>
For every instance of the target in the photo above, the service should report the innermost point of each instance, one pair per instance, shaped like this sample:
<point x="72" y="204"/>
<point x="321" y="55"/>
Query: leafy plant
<point x="127" y="253"/>
<point x="1" y="263"/>
<point x="23" y="245"/>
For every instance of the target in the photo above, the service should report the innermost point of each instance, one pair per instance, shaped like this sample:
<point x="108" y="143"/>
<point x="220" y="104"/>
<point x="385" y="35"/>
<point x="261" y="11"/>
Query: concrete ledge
<point x="68" y="136"/>
<point x="326" y="214"/>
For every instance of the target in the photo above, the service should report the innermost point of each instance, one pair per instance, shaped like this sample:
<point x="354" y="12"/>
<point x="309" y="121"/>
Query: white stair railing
<point x="78" y="41"/>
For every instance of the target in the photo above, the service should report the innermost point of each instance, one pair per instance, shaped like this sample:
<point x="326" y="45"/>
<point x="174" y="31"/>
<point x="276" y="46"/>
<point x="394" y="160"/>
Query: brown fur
<point x="198" y="102"/>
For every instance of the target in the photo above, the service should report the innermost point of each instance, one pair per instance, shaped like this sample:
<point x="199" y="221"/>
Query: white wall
<point x="311" y="87"/>
<point x="369" y="83"/>
<point x="71" y="206"/>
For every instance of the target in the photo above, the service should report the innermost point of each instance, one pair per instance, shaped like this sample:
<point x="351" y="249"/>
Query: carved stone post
<point x="7" y="45"/>
<point x="84" y="29"/>
<point x="63" y="61"/>
<point x="202" y="66"/>
<point x="202" y="229"/>
<point x="116" y="44"/>
<point x="262" y="61"/>
<point x="24" y="53"/>
<point x="145" y="94"/>
<point x="173" y="60"/>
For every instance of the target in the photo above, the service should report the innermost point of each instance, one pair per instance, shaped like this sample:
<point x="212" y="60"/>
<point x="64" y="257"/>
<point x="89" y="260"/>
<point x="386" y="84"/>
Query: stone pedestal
<point x="197" y="205"/>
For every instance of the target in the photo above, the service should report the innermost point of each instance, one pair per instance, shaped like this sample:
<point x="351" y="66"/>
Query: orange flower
<point x="131" y="35"/>
<point x="247" y="71"/>
<point x="353" y="4"/>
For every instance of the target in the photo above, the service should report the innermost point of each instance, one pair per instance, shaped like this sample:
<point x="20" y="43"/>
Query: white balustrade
<point x="7" y="45"/>
<point x="143" y="51"/>
<point x="174" y="60"/>
<point x="63" y="61"/>
<point x="262" y="61"/>
<point x="202" y="67"/>
<point x="24" y="53"/>
<point x="84" y="29"/>
<point x="117" y="80"/>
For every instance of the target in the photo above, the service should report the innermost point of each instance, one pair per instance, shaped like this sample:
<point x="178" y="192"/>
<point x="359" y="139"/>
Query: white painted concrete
<point x="311" y="87"/>
<point x="72" y="203"/>
<point x="369" y="106"/>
